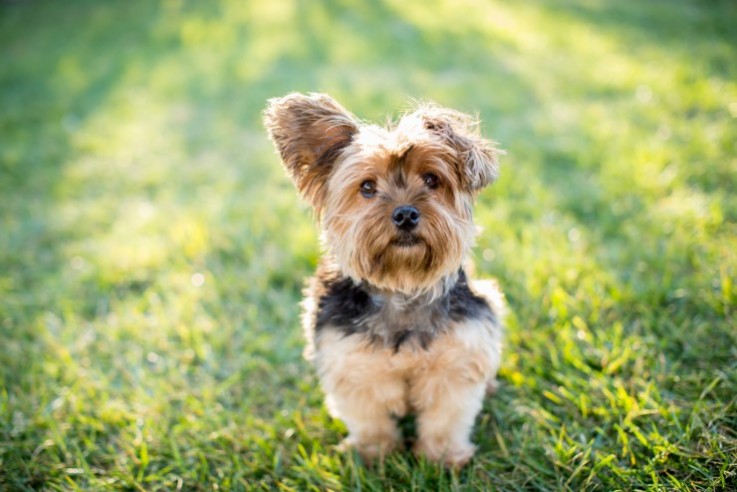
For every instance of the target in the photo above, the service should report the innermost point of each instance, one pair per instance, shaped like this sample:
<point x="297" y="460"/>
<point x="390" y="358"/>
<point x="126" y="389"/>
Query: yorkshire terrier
<point x="393" y="325"/>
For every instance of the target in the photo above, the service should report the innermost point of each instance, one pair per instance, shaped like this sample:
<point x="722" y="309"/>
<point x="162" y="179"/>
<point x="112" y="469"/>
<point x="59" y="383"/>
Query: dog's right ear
<point x="309" y="131"/>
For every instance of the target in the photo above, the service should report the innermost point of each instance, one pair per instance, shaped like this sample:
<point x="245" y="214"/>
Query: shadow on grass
<point x="48" y="92"/>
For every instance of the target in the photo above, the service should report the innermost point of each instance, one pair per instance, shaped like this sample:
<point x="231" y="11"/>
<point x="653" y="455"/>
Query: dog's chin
<point x="406" y="240"/>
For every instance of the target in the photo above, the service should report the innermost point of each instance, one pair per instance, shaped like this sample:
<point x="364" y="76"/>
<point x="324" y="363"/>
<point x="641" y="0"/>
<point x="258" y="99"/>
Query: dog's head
<point x="395" y="203"/>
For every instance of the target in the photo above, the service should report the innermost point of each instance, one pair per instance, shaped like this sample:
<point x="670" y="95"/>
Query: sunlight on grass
<point x="152" y="251"/>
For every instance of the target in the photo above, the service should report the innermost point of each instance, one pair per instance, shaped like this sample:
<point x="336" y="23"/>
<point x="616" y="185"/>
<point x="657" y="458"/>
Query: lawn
<point x="152" y="251"/>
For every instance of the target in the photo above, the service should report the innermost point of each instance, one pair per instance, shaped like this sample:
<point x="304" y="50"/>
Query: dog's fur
<point x="392" y="323"/>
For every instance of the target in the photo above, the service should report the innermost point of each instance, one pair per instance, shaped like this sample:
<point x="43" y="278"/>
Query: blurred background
<point x="152" y="250"/>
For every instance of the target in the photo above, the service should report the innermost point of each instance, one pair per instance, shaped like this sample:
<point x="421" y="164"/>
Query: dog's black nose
<point x="406" y="217"/>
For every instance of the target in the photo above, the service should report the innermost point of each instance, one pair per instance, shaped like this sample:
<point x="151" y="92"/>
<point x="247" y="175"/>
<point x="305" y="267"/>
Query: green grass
<point x="152" y="250"/>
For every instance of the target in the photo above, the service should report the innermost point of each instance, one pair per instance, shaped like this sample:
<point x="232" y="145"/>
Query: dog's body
<point x="392" y="323"/>
<point x="381" y="355"/>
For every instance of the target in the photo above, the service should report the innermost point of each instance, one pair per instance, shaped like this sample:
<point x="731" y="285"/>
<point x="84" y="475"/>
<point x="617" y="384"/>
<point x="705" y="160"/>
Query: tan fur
<point x="369" y="386"/>
<point x="309" y="132"/>
<point x="329" y="154"/>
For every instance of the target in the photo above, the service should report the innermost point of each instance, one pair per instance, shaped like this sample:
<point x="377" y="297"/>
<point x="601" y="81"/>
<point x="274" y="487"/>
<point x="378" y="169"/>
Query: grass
<point x="152" y="251"/>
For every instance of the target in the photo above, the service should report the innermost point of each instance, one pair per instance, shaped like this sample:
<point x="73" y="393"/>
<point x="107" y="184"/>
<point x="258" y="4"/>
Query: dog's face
<point x="395" y="203"/>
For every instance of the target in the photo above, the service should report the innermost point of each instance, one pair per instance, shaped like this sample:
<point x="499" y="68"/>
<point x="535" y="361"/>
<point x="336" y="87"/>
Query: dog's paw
<point x="450" y="457"/>
<point x="370" y="451"/>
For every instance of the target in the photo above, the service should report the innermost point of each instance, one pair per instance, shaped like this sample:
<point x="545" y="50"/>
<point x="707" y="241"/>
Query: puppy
<point x="393" y="324"/>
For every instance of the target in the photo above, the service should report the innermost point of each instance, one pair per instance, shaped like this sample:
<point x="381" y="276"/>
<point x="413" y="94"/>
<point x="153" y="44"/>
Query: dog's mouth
<point x="406" y="240"/>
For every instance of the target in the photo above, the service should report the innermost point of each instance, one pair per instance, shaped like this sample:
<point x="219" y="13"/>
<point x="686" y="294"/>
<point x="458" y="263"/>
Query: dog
<point x="393" y="324"/>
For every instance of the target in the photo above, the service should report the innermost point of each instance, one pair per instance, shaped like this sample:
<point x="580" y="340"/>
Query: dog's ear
<point x="477" y="156"/>
<point x="309" y="131"/>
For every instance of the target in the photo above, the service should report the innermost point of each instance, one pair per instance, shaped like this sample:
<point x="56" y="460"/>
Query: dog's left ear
<point x="310" y="131"/>
<point x="477" y="156"/>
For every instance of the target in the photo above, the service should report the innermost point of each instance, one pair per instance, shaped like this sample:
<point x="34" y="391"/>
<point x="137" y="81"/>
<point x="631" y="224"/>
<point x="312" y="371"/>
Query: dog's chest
<point x="392" y="320"/>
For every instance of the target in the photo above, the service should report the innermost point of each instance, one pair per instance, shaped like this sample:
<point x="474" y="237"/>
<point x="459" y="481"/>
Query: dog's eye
<point x="368" y="188"/>
<point x="431" y="180"/>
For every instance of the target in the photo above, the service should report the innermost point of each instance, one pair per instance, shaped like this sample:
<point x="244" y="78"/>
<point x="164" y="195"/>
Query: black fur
<point x="388" y="319"/>
<point x="344" y="304"/>
<point x="464" y="304"/>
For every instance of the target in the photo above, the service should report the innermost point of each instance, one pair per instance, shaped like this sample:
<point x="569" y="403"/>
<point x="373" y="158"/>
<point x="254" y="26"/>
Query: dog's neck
<point x="413" y="300"/>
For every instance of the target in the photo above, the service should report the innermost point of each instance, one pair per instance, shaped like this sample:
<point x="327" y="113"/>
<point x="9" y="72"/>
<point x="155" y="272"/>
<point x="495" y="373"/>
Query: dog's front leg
<point x="445" y="416"/>
<point x="448" y="389"/>
<point x="364" y="390"/>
